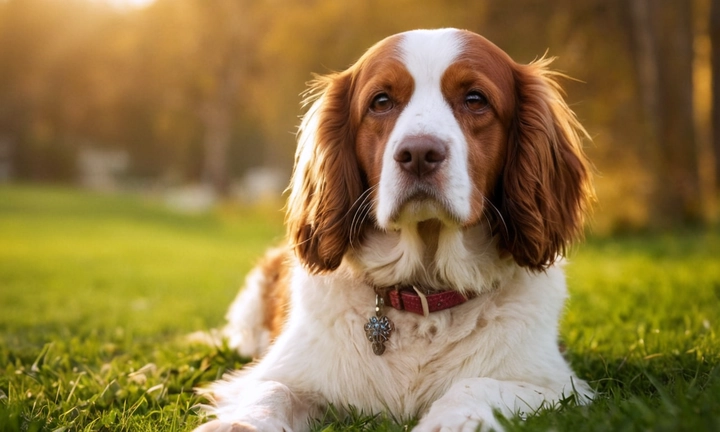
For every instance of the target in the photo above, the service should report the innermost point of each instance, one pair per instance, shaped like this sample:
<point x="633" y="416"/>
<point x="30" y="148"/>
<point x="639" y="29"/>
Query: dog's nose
<point x="421" y="155"/>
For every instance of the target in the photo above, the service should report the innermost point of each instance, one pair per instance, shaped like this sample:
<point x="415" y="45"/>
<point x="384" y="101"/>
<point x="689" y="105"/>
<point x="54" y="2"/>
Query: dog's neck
<point x="431" y="257"/>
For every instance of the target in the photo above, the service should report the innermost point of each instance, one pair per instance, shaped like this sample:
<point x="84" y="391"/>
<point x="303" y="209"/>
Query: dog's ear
<point x="546" y="185"/>
<point x="326" y="180"/>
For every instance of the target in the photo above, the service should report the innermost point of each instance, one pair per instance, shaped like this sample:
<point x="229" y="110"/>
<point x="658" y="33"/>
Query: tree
<point x="714" y="30"/>
<point x="225" y="55"/>
<point x="663" y="37"/>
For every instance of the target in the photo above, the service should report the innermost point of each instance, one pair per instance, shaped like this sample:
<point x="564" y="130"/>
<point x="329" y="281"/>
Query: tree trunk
<point x="216" y="142"/>
<point x="703" y="95"/>
<point x="647" y="68"/>
<point x="664" y="37"/>
<point x="217" y="117"/>
<point x="715" y="55"/>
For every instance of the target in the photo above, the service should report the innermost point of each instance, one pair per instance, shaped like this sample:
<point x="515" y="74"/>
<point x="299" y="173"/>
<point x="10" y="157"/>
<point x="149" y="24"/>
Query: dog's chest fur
<point x="424" y="355"/>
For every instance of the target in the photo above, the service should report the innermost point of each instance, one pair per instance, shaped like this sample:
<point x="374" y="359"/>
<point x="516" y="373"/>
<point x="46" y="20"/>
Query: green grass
<point x="97" y="294"/>
<point x="95" y="288"/>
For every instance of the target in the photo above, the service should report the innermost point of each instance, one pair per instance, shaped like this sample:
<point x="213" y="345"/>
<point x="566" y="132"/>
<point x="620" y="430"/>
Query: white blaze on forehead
<point x="427" y="54"/>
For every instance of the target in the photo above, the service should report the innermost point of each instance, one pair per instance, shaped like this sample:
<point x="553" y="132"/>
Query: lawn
<point x="98" y="292"/>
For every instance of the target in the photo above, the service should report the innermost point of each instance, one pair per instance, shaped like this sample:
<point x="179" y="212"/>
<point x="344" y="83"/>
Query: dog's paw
<point x="242" y="426"/>
<point x="456" y="422"/>
<point x="220" y="426"/>
<point x="451" y="415"/>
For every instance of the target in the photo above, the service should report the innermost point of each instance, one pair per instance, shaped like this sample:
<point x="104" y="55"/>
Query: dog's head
<point x="438" y="125"/>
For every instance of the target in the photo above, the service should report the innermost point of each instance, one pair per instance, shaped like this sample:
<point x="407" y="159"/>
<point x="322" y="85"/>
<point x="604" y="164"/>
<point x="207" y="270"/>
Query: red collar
<point x="409" y="299"/>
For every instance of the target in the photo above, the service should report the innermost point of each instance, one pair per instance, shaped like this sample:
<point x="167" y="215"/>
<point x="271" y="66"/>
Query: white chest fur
<point x="325" y="350"/>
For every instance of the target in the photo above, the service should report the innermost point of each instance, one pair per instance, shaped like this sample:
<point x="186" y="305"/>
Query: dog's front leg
<point x="266" y="406"/>
<point x="469" y="405"/>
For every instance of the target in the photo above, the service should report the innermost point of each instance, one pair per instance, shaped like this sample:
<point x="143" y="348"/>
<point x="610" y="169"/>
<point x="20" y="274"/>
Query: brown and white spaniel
<point x="437" y="185"/>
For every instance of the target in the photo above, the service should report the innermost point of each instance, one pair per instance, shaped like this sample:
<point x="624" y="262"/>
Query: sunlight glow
<point x="130" y="3"/>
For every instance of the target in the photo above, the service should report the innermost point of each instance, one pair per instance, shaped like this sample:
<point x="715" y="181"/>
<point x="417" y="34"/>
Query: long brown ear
<point x="546" y="186"/>
<point x="326" y="181"/>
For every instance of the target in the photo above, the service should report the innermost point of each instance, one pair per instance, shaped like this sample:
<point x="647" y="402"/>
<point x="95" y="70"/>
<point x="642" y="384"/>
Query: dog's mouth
<point x="423" y="204"/>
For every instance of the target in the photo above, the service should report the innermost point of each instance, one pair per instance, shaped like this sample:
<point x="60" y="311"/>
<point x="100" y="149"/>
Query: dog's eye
<point x="381" y="103"/>
<point x="476" y="101"/>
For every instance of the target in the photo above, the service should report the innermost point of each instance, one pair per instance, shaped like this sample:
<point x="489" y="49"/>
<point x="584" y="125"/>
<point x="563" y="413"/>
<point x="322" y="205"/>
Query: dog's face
<point x="434" y="114"/>
<point x="438" y="125"/>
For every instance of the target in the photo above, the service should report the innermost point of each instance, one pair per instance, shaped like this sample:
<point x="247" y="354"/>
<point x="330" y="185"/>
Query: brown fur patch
<point x="275" y="267"/>
<point x="320" y="211"/>
<point x="391" y="77"/>
<point x="525" y="152"/>
<point x="546" y="186"/>
<point x="482" y="67"/>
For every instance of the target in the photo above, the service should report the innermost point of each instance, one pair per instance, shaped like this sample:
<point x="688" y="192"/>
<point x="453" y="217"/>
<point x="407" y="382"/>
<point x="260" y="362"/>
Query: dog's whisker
<point x="497" y="211"/>
<point x="364" y="208"/>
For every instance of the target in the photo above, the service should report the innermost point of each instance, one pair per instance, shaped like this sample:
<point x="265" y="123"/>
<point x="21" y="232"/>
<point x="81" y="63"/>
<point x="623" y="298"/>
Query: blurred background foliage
<point x="154" y="95"/>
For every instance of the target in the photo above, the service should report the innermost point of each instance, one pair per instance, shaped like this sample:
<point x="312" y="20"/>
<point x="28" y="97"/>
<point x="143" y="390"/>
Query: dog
<point x="437" y="186"/>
